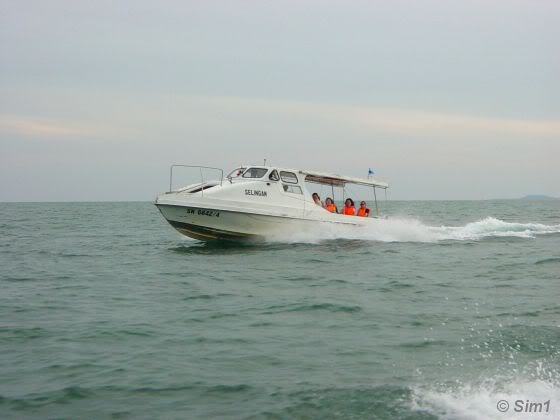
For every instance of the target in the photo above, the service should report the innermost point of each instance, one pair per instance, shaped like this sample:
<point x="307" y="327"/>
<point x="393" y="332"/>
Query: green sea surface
<point x="439" y="312"/>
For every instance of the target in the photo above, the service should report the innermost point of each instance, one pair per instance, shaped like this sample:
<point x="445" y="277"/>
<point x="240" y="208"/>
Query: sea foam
<point x="413" y="230"/>
<point x="493" y="399"/>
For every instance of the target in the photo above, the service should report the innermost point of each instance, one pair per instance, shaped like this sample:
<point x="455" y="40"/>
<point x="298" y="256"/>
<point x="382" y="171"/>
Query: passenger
<point x="317" y="200"/>
<point x="349" y="208"/>
<point x="330" y="206"/>
<point x="363" y="211"/>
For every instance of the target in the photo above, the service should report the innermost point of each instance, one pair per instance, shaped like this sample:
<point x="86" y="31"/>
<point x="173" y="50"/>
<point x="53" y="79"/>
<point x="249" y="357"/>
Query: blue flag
<point x="370" y="172"/>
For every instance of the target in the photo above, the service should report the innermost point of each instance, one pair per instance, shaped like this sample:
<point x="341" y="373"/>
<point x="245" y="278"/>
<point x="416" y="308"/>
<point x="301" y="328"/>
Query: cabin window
<point x="294" y="189"/>
<point x="288" y="177"/>
<point x="235" y="173"/>
<point x="274" y="176"/>
<point x="255" y="173"/>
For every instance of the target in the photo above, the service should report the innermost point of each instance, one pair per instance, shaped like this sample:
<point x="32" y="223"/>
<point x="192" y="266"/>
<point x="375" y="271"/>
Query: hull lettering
<point x="256" y="192"/>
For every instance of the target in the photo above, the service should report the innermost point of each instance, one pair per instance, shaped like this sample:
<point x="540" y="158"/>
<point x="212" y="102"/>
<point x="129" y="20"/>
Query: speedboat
<point x="255" y="202"/>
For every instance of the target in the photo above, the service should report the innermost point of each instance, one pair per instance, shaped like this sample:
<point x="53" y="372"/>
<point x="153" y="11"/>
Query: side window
<point x="274" y="176"/>
<point x="288" y="177"/>
<point x="255" y="172"/>
<point x="294" y="189"/>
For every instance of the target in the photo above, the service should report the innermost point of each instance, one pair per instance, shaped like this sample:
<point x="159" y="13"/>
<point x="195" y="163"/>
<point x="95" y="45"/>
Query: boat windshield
<point x="255" y="172"/>
<point x="236" y="172"/>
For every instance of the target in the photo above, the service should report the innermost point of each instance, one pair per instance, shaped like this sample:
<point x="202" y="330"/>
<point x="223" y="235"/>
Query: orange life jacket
<point x="363" y="212"/>
<point x="331" y="208"/>
<point x="349" y="211"/>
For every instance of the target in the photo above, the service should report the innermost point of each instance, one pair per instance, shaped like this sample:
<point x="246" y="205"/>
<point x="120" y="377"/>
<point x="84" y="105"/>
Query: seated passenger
<point x="330" y="206"/>
<point x="317" y="200"/>
<point x="363" y="211"/>
<point x="349" y="208"/>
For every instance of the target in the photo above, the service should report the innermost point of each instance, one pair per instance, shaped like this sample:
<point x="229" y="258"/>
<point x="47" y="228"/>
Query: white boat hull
<point x="247" y="209"/>
<point x="207" y="224"/>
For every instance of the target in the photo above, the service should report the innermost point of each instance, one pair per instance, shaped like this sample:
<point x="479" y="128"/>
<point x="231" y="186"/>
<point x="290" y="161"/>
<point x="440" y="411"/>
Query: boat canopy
<point x="341" y="180"/>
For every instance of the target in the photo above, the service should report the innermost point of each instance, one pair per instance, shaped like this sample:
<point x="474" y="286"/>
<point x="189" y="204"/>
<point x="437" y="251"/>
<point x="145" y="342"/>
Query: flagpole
<point x="375" y="197"/>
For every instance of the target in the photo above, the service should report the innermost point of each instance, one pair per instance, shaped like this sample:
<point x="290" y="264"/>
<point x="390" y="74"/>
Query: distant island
<point x="539" y="197"/>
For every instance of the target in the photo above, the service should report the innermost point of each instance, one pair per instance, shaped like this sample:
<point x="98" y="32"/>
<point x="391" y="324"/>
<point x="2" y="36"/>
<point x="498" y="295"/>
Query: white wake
<point x="413" y="230"/>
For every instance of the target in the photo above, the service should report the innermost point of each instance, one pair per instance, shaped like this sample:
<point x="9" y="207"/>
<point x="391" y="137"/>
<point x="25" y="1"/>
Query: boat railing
<point x="201" y="172"/>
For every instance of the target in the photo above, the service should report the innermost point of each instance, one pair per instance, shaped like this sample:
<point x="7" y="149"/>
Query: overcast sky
<point x="443" y="99"/>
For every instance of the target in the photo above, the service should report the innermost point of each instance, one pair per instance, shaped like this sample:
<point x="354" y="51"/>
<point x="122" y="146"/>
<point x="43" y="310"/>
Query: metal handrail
<point x="201" y="175"/>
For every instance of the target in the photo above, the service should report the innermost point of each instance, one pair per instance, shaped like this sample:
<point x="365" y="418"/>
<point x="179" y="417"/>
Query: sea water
<point x="443" y="311"/>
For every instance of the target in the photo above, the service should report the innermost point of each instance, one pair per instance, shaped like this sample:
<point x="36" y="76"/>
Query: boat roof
<point x="328" y="178"/>
<point x="341" y="180"/>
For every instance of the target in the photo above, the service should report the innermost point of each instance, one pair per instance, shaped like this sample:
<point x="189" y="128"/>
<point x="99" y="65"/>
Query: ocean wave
<point x="413" y="230"/>
<point x="35" y="400"/>
<point x="329" y="307"/>
<point x="205" y="296"/>
<point x="514" y="392"/>
<point x="548" y="261"/>
<point x="363" y="402"/>
<point x="491" y="399"/>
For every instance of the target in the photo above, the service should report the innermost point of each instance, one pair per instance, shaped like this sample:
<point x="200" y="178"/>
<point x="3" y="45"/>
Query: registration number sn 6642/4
<point x="204" y="212"/>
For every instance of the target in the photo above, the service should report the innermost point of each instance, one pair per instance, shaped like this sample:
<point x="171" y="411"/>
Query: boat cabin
<point x="293" y="181"/>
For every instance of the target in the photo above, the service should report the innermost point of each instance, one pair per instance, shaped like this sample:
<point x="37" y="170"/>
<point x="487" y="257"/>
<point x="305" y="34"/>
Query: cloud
<point x="400" y="121"/>
<point x="40" y="127"/>
<point x="158" y="117"/>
